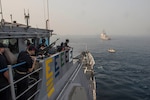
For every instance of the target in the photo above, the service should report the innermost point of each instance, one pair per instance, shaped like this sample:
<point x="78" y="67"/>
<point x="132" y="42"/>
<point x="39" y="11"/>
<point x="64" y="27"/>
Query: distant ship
<point x="104" y="36"/>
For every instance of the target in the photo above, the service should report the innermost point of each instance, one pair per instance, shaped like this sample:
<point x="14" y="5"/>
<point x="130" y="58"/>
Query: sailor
<point x="4" y="75"/>
<point x="61" y="47"/>
<point x="23" y="70"/>
<point x="43" y="43"/>
<point x="28" y="43"/>
<point x="41" y="52"/>
<point x="66" y="44"/>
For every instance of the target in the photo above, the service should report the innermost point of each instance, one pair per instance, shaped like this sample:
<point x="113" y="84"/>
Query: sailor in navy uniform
<point x="4" y="76"/>
<point x="23" y="70"/>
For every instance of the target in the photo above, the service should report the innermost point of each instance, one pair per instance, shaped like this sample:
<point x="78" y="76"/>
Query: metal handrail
<point x="34" y="94"/>
<point x="12" y="82"/>
<point x="27" y="75"/>
<point x="16" y="65"/>
<point x="31" y="85"/>
<point x="28" y="88"/>
<point x="4" y="88"/>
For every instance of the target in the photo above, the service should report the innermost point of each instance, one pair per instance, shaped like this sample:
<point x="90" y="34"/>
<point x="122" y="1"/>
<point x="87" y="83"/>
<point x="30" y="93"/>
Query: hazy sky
<point x="116" y="17"/>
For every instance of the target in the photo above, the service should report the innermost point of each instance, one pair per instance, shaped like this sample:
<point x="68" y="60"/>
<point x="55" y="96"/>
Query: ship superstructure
<point x="58" y="76"/>
<point x="104" y="36"/>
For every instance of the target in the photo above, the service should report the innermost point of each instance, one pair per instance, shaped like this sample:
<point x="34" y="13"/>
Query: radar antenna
<point x="27" y="16"/>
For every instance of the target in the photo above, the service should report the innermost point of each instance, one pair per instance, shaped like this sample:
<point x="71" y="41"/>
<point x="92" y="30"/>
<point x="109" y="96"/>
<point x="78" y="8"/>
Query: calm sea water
<point x="124" y="75"/>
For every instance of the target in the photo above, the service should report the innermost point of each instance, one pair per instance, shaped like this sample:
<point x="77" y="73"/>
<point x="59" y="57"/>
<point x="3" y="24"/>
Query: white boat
<point x="104" y="36"/>
<point x="111" y="50"/>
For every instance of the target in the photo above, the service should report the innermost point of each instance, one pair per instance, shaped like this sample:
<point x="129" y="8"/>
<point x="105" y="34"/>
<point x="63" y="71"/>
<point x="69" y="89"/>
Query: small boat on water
<point x="104" y="36"/>
<point x="111" y="50"/>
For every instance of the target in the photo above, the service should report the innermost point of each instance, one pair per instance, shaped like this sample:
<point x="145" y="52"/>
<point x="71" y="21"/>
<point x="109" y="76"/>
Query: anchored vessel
<point x="56" y="77"/>
<point x="104" y="36"/>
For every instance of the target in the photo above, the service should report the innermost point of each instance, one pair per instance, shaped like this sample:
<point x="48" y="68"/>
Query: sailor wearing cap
<point x="66" y="44"/>
<point x="21" y="71"/>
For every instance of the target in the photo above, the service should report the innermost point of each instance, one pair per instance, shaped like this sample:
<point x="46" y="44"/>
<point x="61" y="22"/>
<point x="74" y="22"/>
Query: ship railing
<point x="7" y="68"/>
<point x="12" y="87"/>
<point x="37" y="83"/>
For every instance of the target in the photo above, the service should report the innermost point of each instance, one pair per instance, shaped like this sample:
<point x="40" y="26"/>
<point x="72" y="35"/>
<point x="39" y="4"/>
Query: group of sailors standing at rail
<point x="50" y="50"/>
<point x="21" y="71"/>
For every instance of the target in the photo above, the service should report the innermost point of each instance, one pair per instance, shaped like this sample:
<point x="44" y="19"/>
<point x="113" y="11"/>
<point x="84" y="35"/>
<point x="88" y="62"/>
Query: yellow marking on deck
<point x="49" y="87"/>
<point x="49" y="78"/>
<point x="50" y="92"/>
<point x="49" y="81"/>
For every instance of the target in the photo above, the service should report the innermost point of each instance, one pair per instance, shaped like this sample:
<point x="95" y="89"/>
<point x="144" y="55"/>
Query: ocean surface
<point x="124" y="75"/>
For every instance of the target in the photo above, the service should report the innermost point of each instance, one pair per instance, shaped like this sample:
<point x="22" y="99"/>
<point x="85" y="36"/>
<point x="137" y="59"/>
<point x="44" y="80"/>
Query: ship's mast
<point x="47" y="21"/>
<point x="1" y="10"/>
<point x="26" y="16"/>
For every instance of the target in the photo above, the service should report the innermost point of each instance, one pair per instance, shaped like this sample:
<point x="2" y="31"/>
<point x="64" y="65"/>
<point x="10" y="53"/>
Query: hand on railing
<point x="33" y="58"/>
